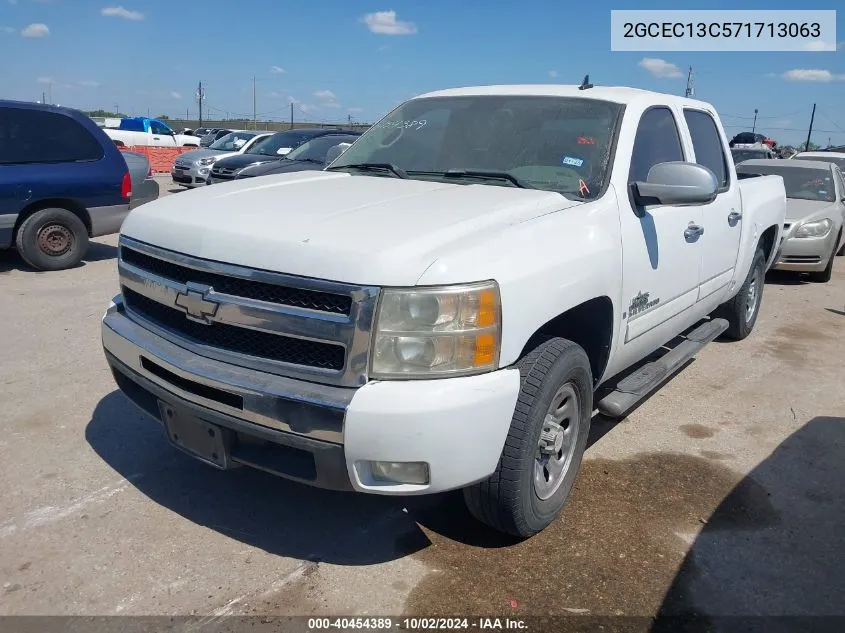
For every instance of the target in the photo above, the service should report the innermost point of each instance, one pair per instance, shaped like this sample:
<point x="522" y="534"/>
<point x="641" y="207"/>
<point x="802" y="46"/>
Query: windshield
<point x="233" y="141"/>
<point x="317" y="148"/>
<point x="740" y="155"/>
<point x="801" y="183"/>
<point x="271" y="145"/>
<point x="836" y="160"/>
<point x="557" y="144"/>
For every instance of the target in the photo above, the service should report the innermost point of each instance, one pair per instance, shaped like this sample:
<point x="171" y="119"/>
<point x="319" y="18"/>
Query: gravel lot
<point x="723" y="493"/>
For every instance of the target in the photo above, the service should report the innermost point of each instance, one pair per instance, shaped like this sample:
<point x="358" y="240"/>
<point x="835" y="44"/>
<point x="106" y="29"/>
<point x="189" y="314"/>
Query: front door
<point x="722" y="220"/>
<point x="661" y="248"/>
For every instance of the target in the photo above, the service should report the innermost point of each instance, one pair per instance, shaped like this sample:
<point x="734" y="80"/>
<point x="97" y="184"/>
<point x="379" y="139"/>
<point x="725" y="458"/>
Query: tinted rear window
<point x="36" y="136"/>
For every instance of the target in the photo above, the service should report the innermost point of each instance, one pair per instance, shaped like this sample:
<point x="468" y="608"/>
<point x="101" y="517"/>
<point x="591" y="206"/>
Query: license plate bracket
<point x="196" y="437"/>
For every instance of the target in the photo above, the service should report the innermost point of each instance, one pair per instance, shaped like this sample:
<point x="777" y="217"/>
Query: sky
<point x="334" y="60"/>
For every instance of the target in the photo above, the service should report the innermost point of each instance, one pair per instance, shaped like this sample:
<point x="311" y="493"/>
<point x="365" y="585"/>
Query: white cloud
<point x="36" y="30"/>
<point x="811" y="74"/>
<point x="175" y="95"/>
<point x="273" y="95"/>
<point x="326" y="95"/>
<point x="87" y="83"/>
<point x="276" y="70"/>
<point x="660" y="68"/>
<point x="120" y="12"/>
<point x="552" y="74"/>
<point x="819" y="46"/>
<point x="46" y="80"/>
<point x="7" y="29"/>
<point x="385" y="23"/>
<point x="303" y="107"/>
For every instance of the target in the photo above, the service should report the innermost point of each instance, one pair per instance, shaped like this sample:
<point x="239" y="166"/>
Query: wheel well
<point x="590" y="325"/>
<point x="767" y="241"/>
<point x="120" y="144"/>
<point x="55" y="203"/>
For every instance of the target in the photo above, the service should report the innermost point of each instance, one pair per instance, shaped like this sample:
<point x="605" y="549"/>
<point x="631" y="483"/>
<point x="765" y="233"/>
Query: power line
<point x="841" y="129"/>
<point x="736" y="116"/>
<point x="788" y="129"/>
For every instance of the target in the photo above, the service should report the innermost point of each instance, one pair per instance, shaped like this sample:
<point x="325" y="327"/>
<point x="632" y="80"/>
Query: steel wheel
<point x="557" y="443"/>
<point x="55" y="240"/>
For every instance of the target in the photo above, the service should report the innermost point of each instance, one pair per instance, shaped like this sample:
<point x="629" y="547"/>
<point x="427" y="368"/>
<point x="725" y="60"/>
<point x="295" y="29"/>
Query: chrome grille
<point x="292" y="326"/>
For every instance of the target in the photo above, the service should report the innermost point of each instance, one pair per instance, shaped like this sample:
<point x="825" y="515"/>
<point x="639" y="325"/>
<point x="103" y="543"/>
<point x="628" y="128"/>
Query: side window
<point x="707" y="144"/>
<point x="657" y="141"/>
<point x="36" y="136"/>
<point x="841" y="179"/>
<point x="158" y="128"/>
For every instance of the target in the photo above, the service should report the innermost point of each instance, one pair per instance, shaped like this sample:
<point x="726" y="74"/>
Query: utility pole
<point x="43" y="97"/>
<point x="754" y="127"/>
<point x="291" y="115"/>
<point x="690" y="91"/>
<point x="117" y="109"/>
<point x="50" y="92"/>
<point x="200" y="96"/>
<point x="810" y="131"/>
<point x="254" y="109"/>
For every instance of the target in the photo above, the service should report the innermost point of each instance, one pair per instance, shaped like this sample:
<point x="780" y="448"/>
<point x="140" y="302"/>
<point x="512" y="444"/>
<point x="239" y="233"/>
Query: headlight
<point x="819" y="228"/>
<point x="207" y="161"/>
<point x="437" y="332"/>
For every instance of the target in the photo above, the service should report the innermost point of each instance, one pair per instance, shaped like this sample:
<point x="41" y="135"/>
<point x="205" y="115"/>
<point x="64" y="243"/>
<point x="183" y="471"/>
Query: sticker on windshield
<point x="583" y="189"/>
<point x="416" y="124"/>
<point x="573" y="162"/>
<point x="586" y="140"/>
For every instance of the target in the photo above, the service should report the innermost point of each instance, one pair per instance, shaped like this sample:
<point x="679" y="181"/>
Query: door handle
<point x="693" y="231"/>
<point x="734" y="217"/>
<point x="155" y="138"/>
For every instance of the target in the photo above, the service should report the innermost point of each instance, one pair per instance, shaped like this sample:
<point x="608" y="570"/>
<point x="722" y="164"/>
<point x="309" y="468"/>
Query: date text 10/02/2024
<point x="416" y="624"/>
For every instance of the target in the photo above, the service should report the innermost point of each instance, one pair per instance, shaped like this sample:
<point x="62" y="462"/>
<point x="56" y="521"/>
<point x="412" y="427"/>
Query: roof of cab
<point x="615" y="94"/>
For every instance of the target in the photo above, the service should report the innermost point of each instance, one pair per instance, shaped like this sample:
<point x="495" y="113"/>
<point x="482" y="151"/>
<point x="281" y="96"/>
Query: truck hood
<point x="797" y="209"/>
<point x="331" y="225"/>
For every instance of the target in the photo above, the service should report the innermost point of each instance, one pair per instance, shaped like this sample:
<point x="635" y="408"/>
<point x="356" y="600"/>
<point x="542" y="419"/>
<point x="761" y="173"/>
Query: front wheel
<point x="545" y="444"/>
<point x="741" y="311"/>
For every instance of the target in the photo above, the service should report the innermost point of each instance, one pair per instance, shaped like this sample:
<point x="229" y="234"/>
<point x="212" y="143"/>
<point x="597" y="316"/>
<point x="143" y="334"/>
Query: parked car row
<point x="280" y="152"/>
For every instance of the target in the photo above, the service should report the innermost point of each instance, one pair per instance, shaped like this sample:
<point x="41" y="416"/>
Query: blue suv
<point x="62" y="181"/>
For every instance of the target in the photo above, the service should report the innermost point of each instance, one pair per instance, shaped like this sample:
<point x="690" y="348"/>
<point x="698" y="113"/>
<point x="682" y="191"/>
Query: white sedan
<point x="191" y="169"/>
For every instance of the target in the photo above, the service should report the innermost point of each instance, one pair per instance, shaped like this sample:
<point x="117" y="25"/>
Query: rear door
<point x="722" y="218"/>
<point x="661" y="256"/>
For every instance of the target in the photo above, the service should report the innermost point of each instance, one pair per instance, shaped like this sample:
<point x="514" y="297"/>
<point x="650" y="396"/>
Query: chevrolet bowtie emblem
<point x="195" y="306"/>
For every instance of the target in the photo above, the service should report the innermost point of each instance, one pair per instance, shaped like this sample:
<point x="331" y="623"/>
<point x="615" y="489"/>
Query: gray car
<point x="144" y="186"/>
<point x="815" y="213"/>
<point x="191" y="169"/>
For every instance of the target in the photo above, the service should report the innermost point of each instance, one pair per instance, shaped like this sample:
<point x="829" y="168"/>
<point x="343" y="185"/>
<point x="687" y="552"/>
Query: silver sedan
<point x="815" y="213"/>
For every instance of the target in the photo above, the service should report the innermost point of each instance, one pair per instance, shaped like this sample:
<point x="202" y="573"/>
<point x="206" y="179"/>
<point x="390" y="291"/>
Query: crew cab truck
<point x="142" y="131"/>
<point x="437" y="308"/>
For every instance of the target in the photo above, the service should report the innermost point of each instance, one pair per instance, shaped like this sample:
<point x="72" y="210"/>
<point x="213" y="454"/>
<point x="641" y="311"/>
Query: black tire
<point x="823" y="276"/>
<point x="52" y="239"/>
<point x="735" y="311"/>
<point x="508" y="501"/>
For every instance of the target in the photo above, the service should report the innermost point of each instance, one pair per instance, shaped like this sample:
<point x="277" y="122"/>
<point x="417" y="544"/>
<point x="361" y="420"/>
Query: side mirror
<point x="335" y="152"/>
<point x="676" y="183"/>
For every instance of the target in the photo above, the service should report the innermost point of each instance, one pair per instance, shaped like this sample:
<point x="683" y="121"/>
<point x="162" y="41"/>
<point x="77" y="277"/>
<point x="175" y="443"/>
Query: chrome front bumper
<point x="270" y="401"/>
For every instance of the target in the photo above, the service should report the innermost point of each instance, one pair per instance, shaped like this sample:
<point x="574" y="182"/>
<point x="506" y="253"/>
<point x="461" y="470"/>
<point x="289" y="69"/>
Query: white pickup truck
<point x="146" y="132"/>
<point x="437" y="309"/>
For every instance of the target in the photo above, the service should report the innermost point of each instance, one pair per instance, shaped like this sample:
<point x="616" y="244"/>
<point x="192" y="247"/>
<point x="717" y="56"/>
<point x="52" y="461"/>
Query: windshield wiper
<point x="309" y="160"/>
<point x="484" y="173"/>
<point x="396" y="171"/>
